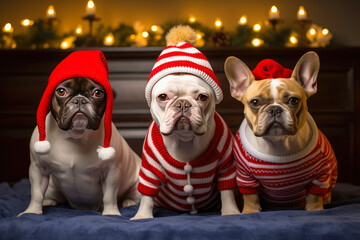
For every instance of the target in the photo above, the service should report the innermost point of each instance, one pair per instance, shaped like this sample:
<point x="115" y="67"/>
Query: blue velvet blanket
<point x="340" y="220"/>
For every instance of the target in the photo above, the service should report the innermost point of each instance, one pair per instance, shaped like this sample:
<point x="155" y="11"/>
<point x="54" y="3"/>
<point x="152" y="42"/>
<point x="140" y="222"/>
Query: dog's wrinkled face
<point x="78" y="104"/>
<point x="274" y="107"/>
<point x="182" y="104"/>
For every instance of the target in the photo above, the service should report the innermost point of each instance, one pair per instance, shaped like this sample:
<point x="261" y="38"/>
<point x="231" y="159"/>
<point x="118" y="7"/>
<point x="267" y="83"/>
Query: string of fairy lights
<point x="43" y="33"/>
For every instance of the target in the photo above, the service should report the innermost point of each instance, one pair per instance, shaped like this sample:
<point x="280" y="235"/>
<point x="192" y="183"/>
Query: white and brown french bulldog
<point x="72" y="171"/>
<point x="185" y="150"/>
<point x="282" y="159"/>
<point x="187" y="159"/>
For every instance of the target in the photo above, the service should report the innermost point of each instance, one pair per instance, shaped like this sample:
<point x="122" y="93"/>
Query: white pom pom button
<point x="188" y="168"/>
<point x="190" y="200"/>
<point x="188" y="188"/>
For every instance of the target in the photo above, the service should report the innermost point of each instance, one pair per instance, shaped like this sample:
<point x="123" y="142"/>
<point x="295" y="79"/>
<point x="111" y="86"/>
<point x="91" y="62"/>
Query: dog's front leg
<point x="145" y="209"/>
<point x="251" y="203"/>
<point x="314" y="202"/>
<point x="228" y="203"/>
<point x="39" y="179"/>
<point x="110" y="187"/>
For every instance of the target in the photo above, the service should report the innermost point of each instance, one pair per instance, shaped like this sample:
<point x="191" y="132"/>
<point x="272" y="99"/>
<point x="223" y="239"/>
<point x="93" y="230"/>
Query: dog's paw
<point x="249" y="211"/>
<point x="140" y="216"/>
<point x="28" y="211"/>
<point x="111" y="211"/>
<point x="230" y="212"/>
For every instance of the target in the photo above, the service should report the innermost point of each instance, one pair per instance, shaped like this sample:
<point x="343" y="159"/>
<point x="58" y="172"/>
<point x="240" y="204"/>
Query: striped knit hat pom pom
<point x="42" y="147"/>
<point x="180" y="33"/>
<point x="106" y="154"/>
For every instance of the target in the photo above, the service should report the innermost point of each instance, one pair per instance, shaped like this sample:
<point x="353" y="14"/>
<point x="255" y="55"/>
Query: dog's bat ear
<point x="239" y="77"/>
<point x="306" y="71"/>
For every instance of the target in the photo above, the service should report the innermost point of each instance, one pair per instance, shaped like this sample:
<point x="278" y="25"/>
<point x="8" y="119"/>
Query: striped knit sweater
<point x="187" y="186"/>
<point x="284" y="181"/>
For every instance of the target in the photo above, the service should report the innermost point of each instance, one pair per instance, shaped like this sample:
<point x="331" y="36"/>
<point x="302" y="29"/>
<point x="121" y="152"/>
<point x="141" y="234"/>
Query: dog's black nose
<point x="79" y="101"/>
<point x="275" y="111"/>
<point x="183" y="105"/>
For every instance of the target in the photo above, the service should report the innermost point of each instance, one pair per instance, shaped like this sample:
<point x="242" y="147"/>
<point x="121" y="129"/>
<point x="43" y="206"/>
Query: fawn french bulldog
<point x="282" y="159"/>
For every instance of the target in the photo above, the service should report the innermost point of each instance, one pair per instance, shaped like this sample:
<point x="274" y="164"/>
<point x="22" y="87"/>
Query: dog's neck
<point x="185" y="150"/>
<point x="284" y="145"/>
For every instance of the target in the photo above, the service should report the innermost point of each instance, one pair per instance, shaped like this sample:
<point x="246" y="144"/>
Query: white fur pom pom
<point x="106" y="153"/>
<point x="42" y="147"/>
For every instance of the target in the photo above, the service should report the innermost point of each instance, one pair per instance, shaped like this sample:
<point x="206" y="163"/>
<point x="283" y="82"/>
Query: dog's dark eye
<point x="61" y="91"/>
<point x="162" y="97"/>
<point x="293" y="101"/>
<point x="255" y="103"/>
<point x="202" y="97"/>
<point x="98" y="93"/>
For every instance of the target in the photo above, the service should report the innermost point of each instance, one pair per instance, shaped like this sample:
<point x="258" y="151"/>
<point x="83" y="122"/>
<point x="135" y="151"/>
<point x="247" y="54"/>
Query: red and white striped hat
<point x="181" y="57"/>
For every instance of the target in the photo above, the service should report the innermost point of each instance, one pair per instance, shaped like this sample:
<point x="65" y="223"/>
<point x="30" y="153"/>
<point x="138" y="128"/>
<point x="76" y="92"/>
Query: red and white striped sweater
<point x="187" y="186"/>
<point x="285" y="181"/>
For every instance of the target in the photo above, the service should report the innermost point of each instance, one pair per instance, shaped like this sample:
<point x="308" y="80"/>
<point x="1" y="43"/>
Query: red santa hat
<point x="181" y="57"/>
<point x="86" y="64"/>
<point x="268" y="69"/>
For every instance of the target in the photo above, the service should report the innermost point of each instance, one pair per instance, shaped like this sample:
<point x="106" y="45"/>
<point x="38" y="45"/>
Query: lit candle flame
<point x="218" y="23"/>
<point x="325" y="31"/>
<point x="65" y="45"/>
<point x="301" y="15"/>
<point x="256" y="42"/>
<point x="51" y="13"/>
<point x="257" y="27"/>
<point x="293" y="40"/>
<point x="145" y="34"/>
<point x="90" y="8"/>
<point x="27" y="22"/>
<point x="192" y="19"/>
<point x="8" y="28"/>
<point x="109" y="40"/>
<point x="154" y="28"/>
<point x="312" y="31"/>
<point x="78" y="30"/>
<point x="243" y="20"/>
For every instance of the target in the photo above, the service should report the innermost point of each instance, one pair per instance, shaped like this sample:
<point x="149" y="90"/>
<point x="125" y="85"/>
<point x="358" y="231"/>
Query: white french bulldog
<point x="183" y="107"/>
<point x="72" y="171"/>
<point x="279" y="152"/>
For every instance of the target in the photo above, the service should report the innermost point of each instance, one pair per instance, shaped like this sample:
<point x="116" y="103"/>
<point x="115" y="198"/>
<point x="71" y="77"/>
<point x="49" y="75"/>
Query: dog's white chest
<point x="76" y="176"/>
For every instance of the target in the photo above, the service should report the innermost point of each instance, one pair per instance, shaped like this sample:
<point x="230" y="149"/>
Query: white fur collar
<point x="253" y="150"/>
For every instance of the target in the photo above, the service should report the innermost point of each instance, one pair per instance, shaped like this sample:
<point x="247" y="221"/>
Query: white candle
<point x="51" y="13"/>
<point x="301" y="14"/>
<point x="274" y="13"/>
<point x="90" y="8"/>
